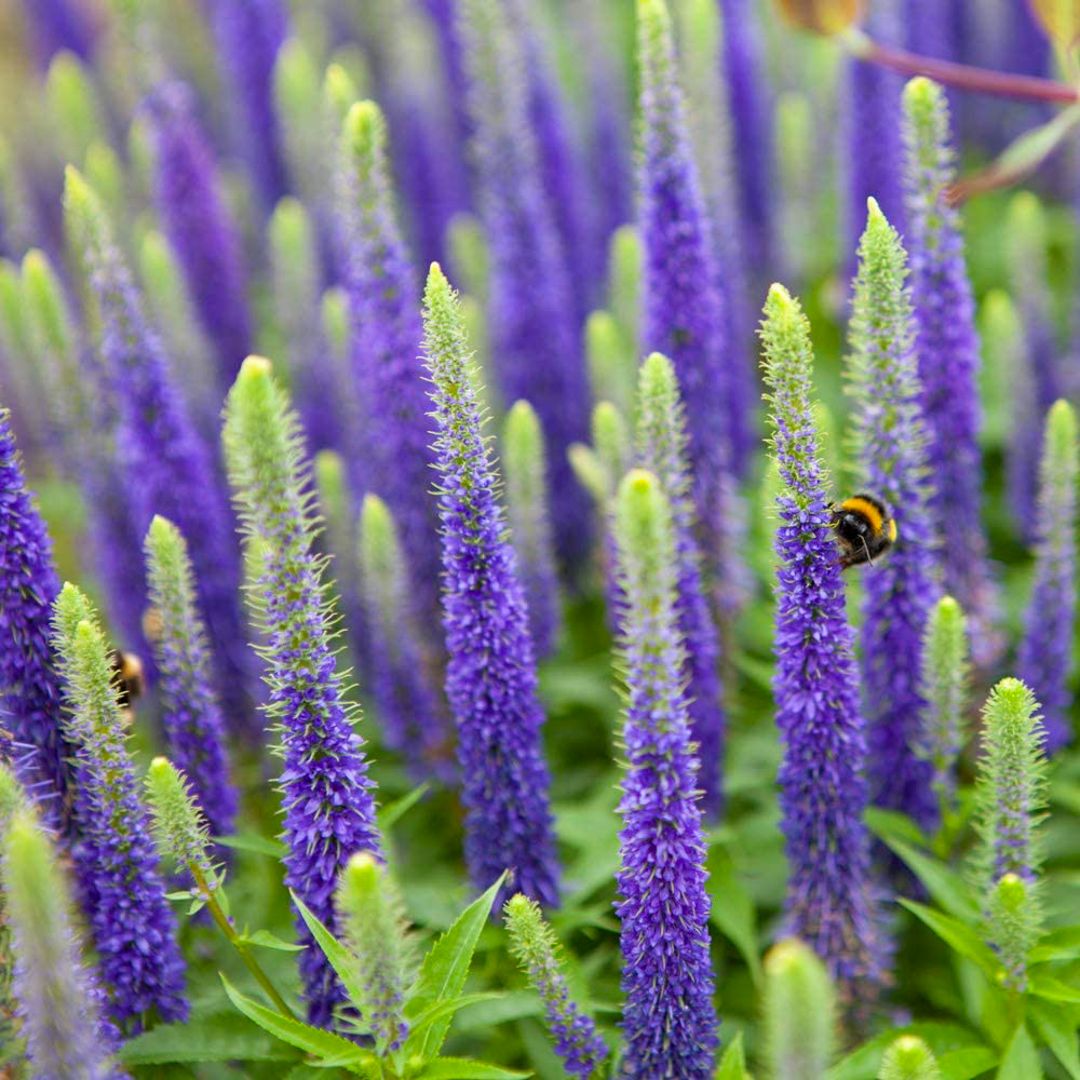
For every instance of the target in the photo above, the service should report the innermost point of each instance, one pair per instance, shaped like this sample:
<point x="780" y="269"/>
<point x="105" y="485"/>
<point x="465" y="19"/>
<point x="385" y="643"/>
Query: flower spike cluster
<point x="29" y="687"/>
<point x="890" y="445"/>
<point x="57" y="995"/>
<point x="385" y="326"/>
<point x="1044" y="660"/>
<point x="948" y="352"/>
<point x="327" y="796"/>
<point x="661" y="449"/>
<point x="120" y="884"/>
<point x="534" y="947"/>
<point x="167" y="467"/>
<point x="531" y="307"/>
<point x="196" y="221"/>
<point x="407" y="705"/>
<point x="669" y="1021"/>
<point x="190" y="714"/>
<point x="822" y="789"/>
<point x="491" y="669"/>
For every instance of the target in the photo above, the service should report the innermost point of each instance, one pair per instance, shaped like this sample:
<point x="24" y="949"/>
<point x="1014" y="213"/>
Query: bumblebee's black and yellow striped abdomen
<point x="864" y="529"/>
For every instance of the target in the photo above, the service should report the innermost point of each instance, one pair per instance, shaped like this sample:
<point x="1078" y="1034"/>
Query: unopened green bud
<point x="180" y="829"/>
<point x="909" y="1058"/>
<point x="799" y="1012"/>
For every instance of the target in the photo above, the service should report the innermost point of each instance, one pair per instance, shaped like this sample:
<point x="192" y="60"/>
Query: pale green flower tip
<point x="909" y="1058"/>
<point x="334" y="315"/>
<point x="253" y="371"/>
<point x="601" y="330"/>
<point x="799" y="1004"/>
<point x="657" y="374"/>
<point x="1061" y="428"/>
<point x="922" y="94"/>
<point x="589" y="470"/>
<point x="518" y="907"/>
<point x="329" y="471"/>
<point x="290" y="228"/>
<point x="29" y="860"/>
<point x="437" y="285"/>
<point x="296" y="76"/>
<point x="79" y="197"/>
<point x="1025" y="213"/>
<point x="365" y="130"/>
<point x="1012" y="892"/>
<point x="162" y="531"/>
<point x="378" y="531"/>
<point x="339" y="93"/>
<point x="70" y="609"/>
<point x="641" y="511"/>
<point x="654" y="16"/>
<point x="361" y="883"/>
<point x="780" y="305"/>
<point x="523" y="437"/>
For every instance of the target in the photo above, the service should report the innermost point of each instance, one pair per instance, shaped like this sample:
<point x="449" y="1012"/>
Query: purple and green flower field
<point x="539" y="538"/>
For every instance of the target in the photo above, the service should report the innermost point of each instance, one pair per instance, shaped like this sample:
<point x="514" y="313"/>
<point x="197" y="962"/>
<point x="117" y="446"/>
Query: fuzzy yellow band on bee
<point x="871" y="511"/>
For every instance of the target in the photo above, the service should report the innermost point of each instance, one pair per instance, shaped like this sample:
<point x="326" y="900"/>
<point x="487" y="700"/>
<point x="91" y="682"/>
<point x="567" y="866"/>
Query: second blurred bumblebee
<point x="864" y="529"/>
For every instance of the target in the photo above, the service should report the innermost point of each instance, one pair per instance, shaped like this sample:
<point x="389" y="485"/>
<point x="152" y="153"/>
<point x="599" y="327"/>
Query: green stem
<point x="962" y="76"/>
<point x="238" y="944"/>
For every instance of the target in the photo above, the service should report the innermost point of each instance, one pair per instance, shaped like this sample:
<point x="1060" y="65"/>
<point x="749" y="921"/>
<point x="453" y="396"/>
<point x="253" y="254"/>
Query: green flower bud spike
<point x="909" y="1058"/>
<point x="799" y="1013"/>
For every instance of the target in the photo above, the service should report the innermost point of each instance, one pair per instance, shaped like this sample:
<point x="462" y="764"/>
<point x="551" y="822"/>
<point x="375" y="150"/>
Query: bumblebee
<point x="864" y="529"/>
<point x="128" y="677"/>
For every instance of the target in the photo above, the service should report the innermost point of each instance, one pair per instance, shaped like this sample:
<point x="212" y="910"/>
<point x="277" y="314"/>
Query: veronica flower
<point x="684" y="315"/>
<point x="190" y="714"/>
<point x="371" y="915"/>
<point x="800" y="1012"/>
<point x="491" y="667"/>
<point x="822" y="789"/>
<point x="1045" y="657"/>
<point x="326" y="793"/>
<point x="167" y="467"/>
<point x="527" y="501"/>
<point x="1010" y="799"/>
<point x="295" y="270"/>
<point x="386" y="332"/>
<point x="191" y="206"/>
<point x="909" y="1058"/>
<point x="661" y="448"/>
<point x="948" y="353"/>
<point x="249" y="34"/>
<point x="533" y="944"/>
<point x="747" y="92"/>
<point x="669" y="1021"/>
<point x="534" y="330"/>
<point x="120" y="885"/>
<point x="890" y="445"/>
<point x="29" y="688"/>
<point x="56" y="993"/>
<point x="407" y="706"/>
<point x="872" y="116"/>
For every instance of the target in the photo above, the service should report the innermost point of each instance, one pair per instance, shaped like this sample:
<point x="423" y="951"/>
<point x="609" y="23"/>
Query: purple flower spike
<point x="669" y="1020"/>
<point x="168" y="469"/>
<point x="29" y="689"/>
<point x="751" y="124"/>
<point x="190" y="715"/>
<point x="948" y="351"/>
<point x="56" y="993"/>
<point x="1044" y="661"/>
<point x="872" y="115"/>
<point x="491" y="670"/>
<point x="661" y="438"/>
<point x="684" y="313"/>
<point x="122" y="891"/>
<point x="249" y="34"/>
<point x="535" y="334"/>
<point x="822" y="790"/>
<point x="326" y="793"/>
<point x="890" y="437"/>
<point x="386" y="332"/>
<point x="193" y="211"/>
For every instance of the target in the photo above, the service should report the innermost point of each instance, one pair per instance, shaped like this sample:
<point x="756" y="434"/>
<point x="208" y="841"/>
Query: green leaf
<point x="1021" y="1059"/>
<point x="942" y="1038"/>
<point x="392" y="813"/>
<point x="961" y="938"/>
<point x="296" y="1033"/>
<point x="447" y="1008"/>
<point x="1057" y="1026"/>
<point x="733" y="1063"/>
<point x="892" y="825"/>
<point x="466" y="1069"/>
<point x="259" y="845"/>
<point x="204" y="1039"/>
<point x="1060" y="944"/>
<point x="945" y="885"/>
<point x="445" y="968"/>
<point x="264" y="939"/>
<point x="967" y="1063"/>
<point x="732" y="910"/>
<point x="1046" y="986"/>
<point x="340" y="958"/>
